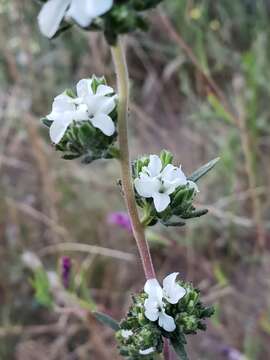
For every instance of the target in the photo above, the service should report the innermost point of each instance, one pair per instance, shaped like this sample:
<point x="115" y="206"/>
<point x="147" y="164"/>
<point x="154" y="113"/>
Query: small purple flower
<point x="66" y="266"/>
<point x="232" y="354"/>
<point x="121" y="219"/>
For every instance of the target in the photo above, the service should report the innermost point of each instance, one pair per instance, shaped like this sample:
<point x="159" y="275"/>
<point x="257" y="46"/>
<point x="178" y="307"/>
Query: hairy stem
<point x="121" y="69"/>
<point x="167" y="351"/>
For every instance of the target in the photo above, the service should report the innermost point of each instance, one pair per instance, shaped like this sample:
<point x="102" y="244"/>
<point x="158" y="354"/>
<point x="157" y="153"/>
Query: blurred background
<point x="200" y="88"/>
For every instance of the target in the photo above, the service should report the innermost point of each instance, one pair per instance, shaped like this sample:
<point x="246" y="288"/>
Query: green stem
<point x="121" y="69"/>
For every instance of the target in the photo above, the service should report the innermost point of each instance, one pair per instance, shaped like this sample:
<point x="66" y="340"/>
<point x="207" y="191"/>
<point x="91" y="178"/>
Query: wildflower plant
<point x="91" y="123"/>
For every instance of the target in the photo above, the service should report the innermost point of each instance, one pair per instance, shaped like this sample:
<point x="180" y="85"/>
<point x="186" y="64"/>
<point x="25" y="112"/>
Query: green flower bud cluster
<point x="181" y="205"/>
<point x="124" y="17"/>
<point x="137" y="333"/>
<point x="189" y="313"/>
<point x="83" y="140"/>
<point x="143" y="343"/>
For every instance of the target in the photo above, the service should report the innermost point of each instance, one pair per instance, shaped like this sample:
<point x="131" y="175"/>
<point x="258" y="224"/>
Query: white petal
<point x="51" y="16"/>
<point x="153" y="289"/>
<point x="98" y="7"/>
<point x="105" y="104"/>
<point x="151" y="309"/>
<point x="78" y="11"/>
<point x="172" y="291"/>
<point x="99" y="104"/>
<point x="104" y="90"/>
<point x="146" y="186"/>
<point x="63" y="103"/>
<point x="147" y="351"/>
<point x="172" y="173"/>
<point x="104" y="123"/>
<point x="169" y="187"/>
<point x="84" y="88"/>
<point x="161" y="201"/>
<point x="166" y="322"/>
<point x="155" y="165"/>
<point x="58" y="129"/>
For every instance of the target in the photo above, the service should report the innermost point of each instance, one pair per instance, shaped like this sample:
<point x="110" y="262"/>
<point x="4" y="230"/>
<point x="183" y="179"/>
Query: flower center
<point x="162" y="188"/>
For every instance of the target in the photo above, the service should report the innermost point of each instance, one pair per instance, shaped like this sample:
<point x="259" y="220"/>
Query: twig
<point x="121" y="69"/>
<point x="92" y="249"/>
<point x="37" y="215"/>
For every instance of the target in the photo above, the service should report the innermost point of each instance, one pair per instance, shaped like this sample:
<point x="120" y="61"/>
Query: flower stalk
<point x="119" y="58"/>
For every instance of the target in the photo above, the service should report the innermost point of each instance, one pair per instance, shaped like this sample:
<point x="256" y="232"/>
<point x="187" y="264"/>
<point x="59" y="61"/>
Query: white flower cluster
<point x="154" y="305"/>
<point x="157" y="183"/>
<point x="82" y="11"/>
<point x="87" y="106"/>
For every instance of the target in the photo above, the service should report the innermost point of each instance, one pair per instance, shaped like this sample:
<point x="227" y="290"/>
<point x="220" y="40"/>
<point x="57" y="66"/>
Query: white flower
<point x="87" y="107"/>
<point x="147" y="351"/>
<point x="82" y="11"/>
<point x="153" y="182"/>
<point x="126" y="333"/>
<point x="154" y="305"/>
<point x="99" y="106"/>
<point x="65" y="110"/>
<point x="31" y="260"/>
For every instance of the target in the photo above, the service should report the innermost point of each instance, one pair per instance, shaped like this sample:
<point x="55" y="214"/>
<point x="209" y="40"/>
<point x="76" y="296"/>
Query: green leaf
<point x="220" y="275"/>
<point x="62" y="29"/>
<point x="46" y="122"/>
<point x="194" y="214"/>
<point x="115" y="152"/>
<point x="70" y="156"/>
<point x="70" y="93"/>
<point x="179" y="348"/>
<point x="166" y="157"/>
<point x="173" y="223"/>
<point x="196" y="175"/>
<point x="219" y="109"/>
<point x="107" y="320"/>
<point x="40" y="283"/>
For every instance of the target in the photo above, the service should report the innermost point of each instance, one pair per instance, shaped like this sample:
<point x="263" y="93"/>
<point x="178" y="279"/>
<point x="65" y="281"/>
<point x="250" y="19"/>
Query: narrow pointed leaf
<point x="179" y="348"/>
<point x="46" y="122"/>
<point x="194" y="214"/>
<point x="61" y="30"/>
<point x="219" y="109"/>
<point x="107" y="320"/>
<point x="173" y="223"/>
<point x="203" y="170"/>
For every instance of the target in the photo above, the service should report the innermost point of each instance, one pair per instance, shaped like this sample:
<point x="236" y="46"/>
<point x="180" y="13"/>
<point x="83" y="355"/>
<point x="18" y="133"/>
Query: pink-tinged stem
<point x="166" y="350"/>
<point x="121" y="69"/>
